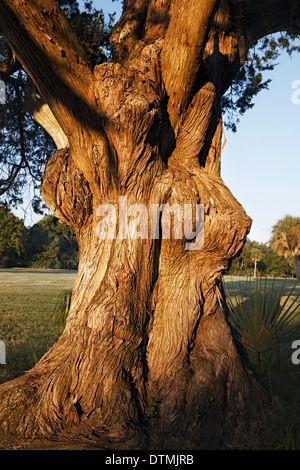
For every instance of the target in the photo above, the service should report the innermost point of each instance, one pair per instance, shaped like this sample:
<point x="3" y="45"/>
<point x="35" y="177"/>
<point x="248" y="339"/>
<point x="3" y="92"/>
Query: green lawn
<point x="233" y="282"/>
<point x="27" y="300"/>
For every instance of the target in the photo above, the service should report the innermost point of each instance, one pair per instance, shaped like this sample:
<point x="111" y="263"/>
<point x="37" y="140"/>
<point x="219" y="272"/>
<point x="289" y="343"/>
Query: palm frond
<point x="265" y="315"/>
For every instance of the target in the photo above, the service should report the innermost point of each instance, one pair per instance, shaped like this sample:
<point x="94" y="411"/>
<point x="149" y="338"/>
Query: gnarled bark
<point x="146" y="336"/>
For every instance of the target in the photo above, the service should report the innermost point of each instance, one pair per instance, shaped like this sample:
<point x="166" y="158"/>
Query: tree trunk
<point x="147" y="358"/>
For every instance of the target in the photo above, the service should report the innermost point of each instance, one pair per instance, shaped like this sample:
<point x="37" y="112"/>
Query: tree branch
<point x="193" y="131"/>
<point x="43" y="41"/>
<point x="43" y="115"/>
<point x="271" y="16"/>
<point x="181" y="54"/>
<point x="128" y="29"/>
<point x="45" y="44"/>
<point x="141" y="21"/>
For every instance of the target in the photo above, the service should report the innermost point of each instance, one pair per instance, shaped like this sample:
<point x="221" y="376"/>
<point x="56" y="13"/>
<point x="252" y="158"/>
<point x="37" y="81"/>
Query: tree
<point x="13" y="237"/>
<point x="271" y="264"/>
<point x="25" y="146"/>
<point x="244" y="264"/>
<point x="276" y="265"/>
<point x="286" y="239"/>
<point x="147" y="327"/>
<point x="52" y="244"/>
<point x="256" y="256"/>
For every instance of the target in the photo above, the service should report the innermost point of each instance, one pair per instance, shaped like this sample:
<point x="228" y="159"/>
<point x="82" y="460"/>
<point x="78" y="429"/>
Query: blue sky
<point x="261" y="162"/>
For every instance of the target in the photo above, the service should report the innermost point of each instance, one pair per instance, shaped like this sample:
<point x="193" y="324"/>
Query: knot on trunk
<point x="65" y="190"/>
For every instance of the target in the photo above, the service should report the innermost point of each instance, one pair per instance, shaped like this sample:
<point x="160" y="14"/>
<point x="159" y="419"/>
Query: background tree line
<point x="264" y="258"/>
<point x="277" y="258"/>
<point x="47" y="244"/>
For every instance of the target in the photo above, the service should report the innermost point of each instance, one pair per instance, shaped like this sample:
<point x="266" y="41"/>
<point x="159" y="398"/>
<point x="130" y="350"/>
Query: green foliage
<point x="265" y="316"/>
<point x="276" y="265"/>
<point x="24" y="145"/>
<point x="270" y="264"/>
<point x="13" y="236"/>
<point x="286" y="236"/>
<point x="151" y="410"/>
<point x="48" y="244"/>
<point x="90" y="28"/>
<point x="286" y="239"/>
<point x="52" y="245"/>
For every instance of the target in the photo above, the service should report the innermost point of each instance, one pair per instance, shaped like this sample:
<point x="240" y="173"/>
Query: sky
<point x="261" y="162"/>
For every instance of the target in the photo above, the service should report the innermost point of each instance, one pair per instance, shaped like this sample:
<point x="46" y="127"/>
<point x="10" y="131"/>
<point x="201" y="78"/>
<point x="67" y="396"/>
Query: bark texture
<point x="147" y="358"/>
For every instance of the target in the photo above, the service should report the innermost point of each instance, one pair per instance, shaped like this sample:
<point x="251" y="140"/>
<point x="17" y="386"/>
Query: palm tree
<point x="256" y="256"/>
<point x="286" y="239"/>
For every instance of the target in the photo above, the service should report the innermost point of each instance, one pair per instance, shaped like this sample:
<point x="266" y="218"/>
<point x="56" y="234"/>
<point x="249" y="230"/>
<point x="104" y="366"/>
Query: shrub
<point x="264" y="315"/>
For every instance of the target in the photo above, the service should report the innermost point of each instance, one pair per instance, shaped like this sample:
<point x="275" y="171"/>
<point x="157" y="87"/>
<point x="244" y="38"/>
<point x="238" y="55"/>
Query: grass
<point x="28" y="298"/>
<point x="31" y="304"/>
